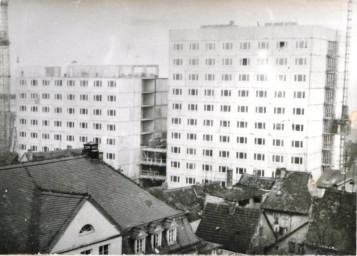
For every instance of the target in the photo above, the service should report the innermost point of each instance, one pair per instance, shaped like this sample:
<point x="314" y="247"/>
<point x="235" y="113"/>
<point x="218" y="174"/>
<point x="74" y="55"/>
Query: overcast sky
<point x="56" y="32"/>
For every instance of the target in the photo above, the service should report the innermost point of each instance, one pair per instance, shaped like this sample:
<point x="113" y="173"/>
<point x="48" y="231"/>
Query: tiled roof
<point x="8" y="158"/>
<point x="290" y="195"/>
<point x="333" y="223"/>
<point x="234" y="231"/>
<point x="329" y="178"/>
<point x="255" y="181"/>
<point x="39" y="156"/>
<point x="122" y="199"/>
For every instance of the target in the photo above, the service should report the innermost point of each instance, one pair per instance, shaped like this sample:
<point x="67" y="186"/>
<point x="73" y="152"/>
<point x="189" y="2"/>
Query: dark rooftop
<point x="254" y="181"/>
<point x="290" y="195"/>
<point x="333" y="226"/>
<point x="234" y="230"/>
<point x="329" y="178"/>
<point x="39" y="156"/>
<point x="122" y="199"/>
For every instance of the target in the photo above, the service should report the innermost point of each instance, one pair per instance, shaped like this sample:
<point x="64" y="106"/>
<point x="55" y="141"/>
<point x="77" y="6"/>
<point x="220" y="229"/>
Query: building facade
<point x="252" y="99"/>
<point x="119" y="107"/>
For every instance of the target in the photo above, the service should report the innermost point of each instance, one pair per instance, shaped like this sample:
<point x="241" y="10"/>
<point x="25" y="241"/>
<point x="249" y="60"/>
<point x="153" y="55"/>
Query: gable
<point x="88" y="214"/>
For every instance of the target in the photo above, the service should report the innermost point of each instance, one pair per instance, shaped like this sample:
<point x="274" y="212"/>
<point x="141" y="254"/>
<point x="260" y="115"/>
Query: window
<point x="299" y="78"/>
<point x="278" y="143"/>
<point x="299" y="95"/>
<point x="207" y="167"/>
<point x="223" y="153"/>
<point x="207" y="152"/>
<point x="207" y="137"/>
<point x="46" y="109"/>
<point x="112" y="83"/>
<point x="171" y="235"/>
<point x="70" y="124"/>
<point x="277" y="159"/>
<point x="58" y="110"/>
<point x="175" y="164"/>
<point x="176" y="91"/>
<point x="175" y="178"/>
<point x="97" y="126"/>
<point x="178" y="47"/>
<point x="177" y="77"/>
<point x="207" y="122"/>
<point x="224" y="138"/>
<point x="242" y="109"/>
<point x="58" y="123"/>
<point x="263" y="45"/>
<point x="282" y="44"/>
<point x="278" y="126"/>
<point x="191" y="121"/>
<point x="244" y="45"/>
<point x="225" y="108"/>
<point x="297" y="144"/>
<point x="83" y="139"/>
<point x="58" y="137"/>
<point x="261" y="94"/>
<point x="58" y="82"/>
<point x="298" y="127"/>
<point x="243" y="93"/>
<point x="86" y="252"/>
<point x="97" y="97"/>
<point x="243" y="77"/>
<point x="34" y="109"/>
<point x="208" y="107"/>
<point x="301" y="44"/>
<point x="296" y="160"/>
<point x="22" y="108"/>
<point x="156" y="240"/>
<point x="45" y="122"/>
<point x="241" y="155"/>
<point x="298" y="111"/>
<point x="209" y="92"/>
<point x="190" y="180"/>
<point x="222" y="168"/>
<point x="176" y="135"/>
<point x="262" y="78"/>
<point x="261" y="110"/>
<point x="193" y="92"/>
<point x="22" y="121"/>
<point x="22" y="134"/>
<point x="242" y="124"/>
<point x="227" y="62"/>
<point x="97" y="112"/>
<point x="83" y="125"/>
<point x="111" y="98"/>
<point x="242" y="140"/>
<point x="280" y="78"/>
<point x="194" y="46"/>
<point x="176" y="150"/>
<point x="240" y="170"/>
<point x="192" y="107"/>
<point x="259" y="125"/>
<point x="244" y="62"/>
<point x="139" y="246"/>
<point x="45" y="96"/>
<point x="279" y="94"/>
<point x="209" y="77"/>
<point x="262" y="61"/>
<point x="111" y="112"/>
<point x="260" y="172"/>
<point x="227" y="46"/>
<point x="104" y="249"/>
<point x="191" y="136"/>
<point x="279" y="110"/>
<point x="225" y="123"/>
<point x="111" y="127"/>
<point x="193" y="62"/>
<point x="110" y="141"/>
<point x="176" y="106"/>
<point x="226" y="77"/>
<point x="210" y="46"/>
<point x="97" y="83"/>
<point x="111" y="156"/>
<point x="177" y="62"/>
<point x="34" y="82"/>
<point x="259" y="141"/>
<point x="281" y="61"/>
<point x="83" y="83"/>
<point x="22" y="82"/>
<point x="34" y="122"/>
<point x="193" y="77"/>
<point x="300" y="61"/>
<point x="70" y="111"/>
<point x="70" y="138"/>
<point x="58" y="96"/>
<point x="210" y="62"/>
<point x="176" y="120"/>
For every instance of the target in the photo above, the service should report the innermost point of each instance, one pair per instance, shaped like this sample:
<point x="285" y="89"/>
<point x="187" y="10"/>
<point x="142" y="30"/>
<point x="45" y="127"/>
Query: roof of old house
<point x="233" y="229"/>
<point x="254" y="181"/>
<point x="122" y="199"/>
<point x="7" y="158"/>
<point x="290" y="195"/>
<point x="330" y="177"/>
<point x="39" y="156"/>
<point x="333" y="225"/>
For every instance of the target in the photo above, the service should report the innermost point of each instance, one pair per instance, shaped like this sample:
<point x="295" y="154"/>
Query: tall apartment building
<point x="252" y="99"/>
<point x="119" y="107"/>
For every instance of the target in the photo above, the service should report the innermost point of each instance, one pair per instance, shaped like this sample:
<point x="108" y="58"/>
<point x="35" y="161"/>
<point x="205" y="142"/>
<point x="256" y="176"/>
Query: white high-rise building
<point x="252" y="99"/>
<point x="119" y="107"/>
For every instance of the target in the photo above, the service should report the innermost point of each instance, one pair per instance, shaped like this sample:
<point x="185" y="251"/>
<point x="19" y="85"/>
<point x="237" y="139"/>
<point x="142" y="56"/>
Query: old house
<point x="332" y="229"/>
<point x="43" y="200"/>
<point x="229" y="225"/>
<point x="285" y="214"/>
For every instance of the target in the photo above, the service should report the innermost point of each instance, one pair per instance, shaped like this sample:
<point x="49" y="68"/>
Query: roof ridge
<point x="41" y="162"/>
<point x="59" y="193"/>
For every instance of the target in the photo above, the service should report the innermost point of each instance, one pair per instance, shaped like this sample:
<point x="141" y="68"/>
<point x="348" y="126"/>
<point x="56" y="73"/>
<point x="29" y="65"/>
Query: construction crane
<point x="344" y="121"/>
<point x="6" y="118"/>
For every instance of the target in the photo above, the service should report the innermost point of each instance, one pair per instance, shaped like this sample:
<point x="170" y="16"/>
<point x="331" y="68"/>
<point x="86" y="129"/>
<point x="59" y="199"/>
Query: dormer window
<point x="156" y="235"/>
<point x="139" y="246"/>
<point x="86" y="229"/>
<point x="139" y="237"/>
<point x="171" y="231"/>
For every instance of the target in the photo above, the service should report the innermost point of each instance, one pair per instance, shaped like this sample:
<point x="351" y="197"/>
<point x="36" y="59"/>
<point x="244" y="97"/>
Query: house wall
<point x="72" y="242"/>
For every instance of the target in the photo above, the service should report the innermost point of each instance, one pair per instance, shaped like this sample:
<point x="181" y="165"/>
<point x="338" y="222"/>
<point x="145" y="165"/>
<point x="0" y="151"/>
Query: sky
<point x="106" y="32"/>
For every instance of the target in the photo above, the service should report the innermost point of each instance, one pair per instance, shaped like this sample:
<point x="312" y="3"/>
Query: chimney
<point x="229" y="177"/>
<point x="30" y="155"/>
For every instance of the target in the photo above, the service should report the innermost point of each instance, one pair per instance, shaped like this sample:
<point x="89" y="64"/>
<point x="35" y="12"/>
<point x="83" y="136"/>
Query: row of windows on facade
<point x="299" y="78"/>
<point x="71" y="138"/>
<point x="240" y="124"/>
<point x="240" y="109"/>
<point x="71" y="111"/>
<point x="239" y="170"/>
<point x="239" y="140"/>
<point x="70" y="97"/>
<point x="264" y="45"/>
<point x="68" y="124"/>
<point x="244" y="61"/>
<point x="102" y="250"/>
<point x="226" y="154"/>
<point x="70" y="83"/>
<point x="35" y="148"/>
<point x="240" y="93"/>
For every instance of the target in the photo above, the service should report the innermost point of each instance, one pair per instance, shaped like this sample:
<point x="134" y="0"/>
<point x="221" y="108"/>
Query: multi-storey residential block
<point x="119" y="107"/>
<point x="252" y="99"/>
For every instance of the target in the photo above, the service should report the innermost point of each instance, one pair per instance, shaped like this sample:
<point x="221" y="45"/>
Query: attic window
<point x="86" y="229"/>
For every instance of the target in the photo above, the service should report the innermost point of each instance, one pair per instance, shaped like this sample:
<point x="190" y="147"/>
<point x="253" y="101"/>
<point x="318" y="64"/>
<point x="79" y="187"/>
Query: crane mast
<point x="6" y="119"/>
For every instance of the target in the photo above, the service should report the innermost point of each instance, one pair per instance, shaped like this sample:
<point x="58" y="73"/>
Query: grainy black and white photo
<point x="206" y="127"/>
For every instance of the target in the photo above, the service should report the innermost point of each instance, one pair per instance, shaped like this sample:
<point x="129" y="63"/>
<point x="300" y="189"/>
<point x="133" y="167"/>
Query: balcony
<point x="153" y="161"/>
<point x="149" y="174"/>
